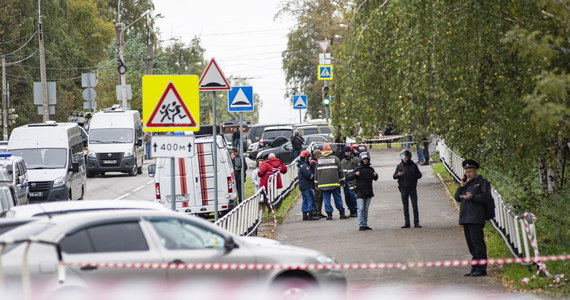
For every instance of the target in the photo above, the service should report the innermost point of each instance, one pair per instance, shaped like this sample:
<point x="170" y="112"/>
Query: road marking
<point x="134" y="190"/>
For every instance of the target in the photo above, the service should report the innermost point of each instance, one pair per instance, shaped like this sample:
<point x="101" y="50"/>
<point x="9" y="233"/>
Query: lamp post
<point x="121" y="67"/>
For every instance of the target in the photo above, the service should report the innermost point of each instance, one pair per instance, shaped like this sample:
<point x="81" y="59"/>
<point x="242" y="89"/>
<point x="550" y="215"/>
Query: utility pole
<point x="121" y="68"/>
<point x="4" y="100"/>
<point x="43" y="76"/>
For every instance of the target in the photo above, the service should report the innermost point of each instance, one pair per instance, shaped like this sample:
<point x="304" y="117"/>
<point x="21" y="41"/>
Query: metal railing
<point x="245" y="218"/>
<point x="508" y="224"/>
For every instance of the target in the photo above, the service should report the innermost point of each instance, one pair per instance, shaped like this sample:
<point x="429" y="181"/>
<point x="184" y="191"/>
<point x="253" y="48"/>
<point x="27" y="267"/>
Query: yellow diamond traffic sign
<point x="171" y="103"/>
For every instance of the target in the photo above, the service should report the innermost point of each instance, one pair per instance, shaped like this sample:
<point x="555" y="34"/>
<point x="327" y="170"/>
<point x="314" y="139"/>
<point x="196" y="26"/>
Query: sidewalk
<point x="441" y="238"/>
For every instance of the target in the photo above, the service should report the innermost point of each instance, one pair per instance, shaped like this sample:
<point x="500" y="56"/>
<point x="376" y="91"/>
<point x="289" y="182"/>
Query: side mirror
<point x="75" y="167"/>
<point x="151" y="170"/>
<point x="229" y="244"/>
<point x="139" y="142"/>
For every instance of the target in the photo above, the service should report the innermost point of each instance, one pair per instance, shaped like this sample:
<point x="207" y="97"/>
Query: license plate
<point x="179" y="198"/>
<point x="36" y="194"/>
<point x="109" y="162"/>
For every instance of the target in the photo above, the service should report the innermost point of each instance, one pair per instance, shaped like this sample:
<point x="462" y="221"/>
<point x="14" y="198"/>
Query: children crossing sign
<point x="325" y="72"/>
<point x="171" y="103"/>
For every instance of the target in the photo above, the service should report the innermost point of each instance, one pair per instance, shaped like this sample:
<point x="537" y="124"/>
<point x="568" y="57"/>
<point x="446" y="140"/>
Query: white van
<point x="17" y="176"/>
<point x="53" y="153"/>
<point x="194" y="179"/>
<point x="115" y="142"/>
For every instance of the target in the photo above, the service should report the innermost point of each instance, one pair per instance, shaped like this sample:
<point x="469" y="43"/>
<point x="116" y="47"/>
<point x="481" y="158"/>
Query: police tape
<point x="354" y="266"/>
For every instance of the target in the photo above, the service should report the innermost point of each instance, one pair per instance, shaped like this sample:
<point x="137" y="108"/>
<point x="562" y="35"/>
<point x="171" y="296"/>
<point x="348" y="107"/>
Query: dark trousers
<point x="412" y="194"/>
<point x="350" y="197"/>
<point x="475" y="239"/>
<point x="238" y="189"/>
<point x="318" y="203"/>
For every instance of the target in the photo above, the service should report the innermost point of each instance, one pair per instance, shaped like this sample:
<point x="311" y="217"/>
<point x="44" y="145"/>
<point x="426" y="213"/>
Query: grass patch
<point x="552" y="232"/>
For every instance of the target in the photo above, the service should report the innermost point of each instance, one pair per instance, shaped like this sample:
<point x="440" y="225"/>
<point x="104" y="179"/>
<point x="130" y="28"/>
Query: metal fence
<point x="509" y="225"/>
<point x="245" y="218"/>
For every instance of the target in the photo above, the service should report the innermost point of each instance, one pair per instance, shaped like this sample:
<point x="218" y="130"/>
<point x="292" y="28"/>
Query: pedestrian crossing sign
<point x="300" y="102"/>
<point x="240" y="98"/>
<point x="171" y="103"/>
<point x="325" y="72"/>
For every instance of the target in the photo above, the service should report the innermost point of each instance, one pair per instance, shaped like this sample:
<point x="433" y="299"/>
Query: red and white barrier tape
<point x="402" y="266"/>
<point x="537" y="258"/>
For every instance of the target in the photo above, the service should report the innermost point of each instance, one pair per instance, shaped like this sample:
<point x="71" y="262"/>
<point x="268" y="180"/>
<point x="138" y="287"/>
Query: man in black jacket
<point x="297" y="142"/>
<point x="363" y="174"/>
<point x="474" y="194"/>
<point x="407" y="173"/>
<point x="238" y="162"/>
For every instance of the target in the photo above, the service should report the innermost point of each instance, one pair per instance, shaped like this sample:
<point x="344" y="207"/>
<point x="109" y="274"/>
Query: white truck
<point x="115" y="142"/>
<point x="194" y="179"/>
<point x="53" y="153"/>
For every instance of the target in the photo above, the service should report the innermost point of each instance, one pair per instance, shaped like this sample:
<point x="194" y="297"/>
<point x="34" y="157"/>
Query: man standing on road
<point x="235" y="140"/>
<point x="407" y="173"/>
<point x="318" y="203"/>
<point x="238" y="163"/>
<point x="297" y="141"/>
<point x="474" y="194"/>
<point x="348" y="164"/>
<point x="364" y="174"/>
<point x="306" y="186"/>
<point x="329" y="177"/>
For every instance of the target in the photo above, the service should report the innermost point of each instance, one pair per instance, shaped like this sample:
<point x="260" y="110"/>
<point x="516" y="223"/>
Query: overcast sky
<point x="244" y="39"/>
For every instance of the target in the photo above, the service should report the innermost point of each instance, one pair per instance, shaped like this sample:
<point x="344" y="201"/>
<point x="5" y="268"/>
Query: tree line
<point x="80" y="38"/>
<point x="489" y="77"/>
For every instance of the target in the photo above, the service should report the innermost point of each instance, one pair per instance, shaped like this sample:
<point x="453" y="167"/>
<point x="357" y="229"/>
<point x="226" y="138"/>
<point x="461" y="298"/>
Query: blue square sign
<point x="240" y="98"/>
<point x="300" y="102"/>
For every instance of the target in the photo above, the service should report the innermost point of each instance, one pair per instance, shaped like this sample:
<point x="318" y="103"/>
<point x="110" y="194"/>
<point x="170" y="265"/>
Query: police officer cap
<point x="470" y="164"/>
<point x="346" y="149"/>
<point x="364" y="155"/>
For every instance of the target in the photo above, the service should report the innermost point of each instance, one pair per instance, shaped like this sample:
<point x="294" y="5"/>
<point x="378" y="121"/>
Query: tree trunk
<point x="542" y="172"/>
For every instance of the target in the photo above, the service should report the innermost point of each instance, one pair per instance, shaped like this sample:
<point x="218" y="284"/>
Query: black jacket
<point x="472" y="210"/>
<point x="364" y="180"/>
<point x="305" y="176"/>
<point x="411" y="174"/>
<point x="297" y="141"/>
<point x="239" y="163"/>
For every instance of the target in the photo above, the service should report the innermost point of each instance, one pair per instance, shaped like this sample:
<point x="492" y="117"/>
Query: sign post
<point x="213" y="80"/>
<point x="240" y="99"/>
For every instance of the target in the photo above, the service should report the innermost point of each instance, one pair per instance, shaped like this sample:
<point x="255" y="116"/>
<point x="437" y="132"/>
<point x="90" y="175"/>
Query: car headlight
<point x="128" y="153"/>
<point x="326" y="260"/>
<point x="59" y="181"/>
<point x="91" y="154"/>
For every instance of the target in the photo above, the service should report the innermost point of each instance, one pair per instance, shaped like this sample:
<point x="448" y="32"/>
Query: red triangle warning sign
<point x="213" y="79"/>
<point x="171" y="111"/>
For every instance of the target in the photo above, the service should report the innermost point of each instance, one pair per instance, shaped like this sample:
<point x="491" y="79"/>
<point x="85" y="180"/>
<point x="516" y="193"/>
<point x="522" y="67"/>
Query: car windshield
<point x="45" y="158"/>
<point x="271" y="134"/>
<point x="111" y="135"/>
<point x="5" y="175"/>
<point x="6" y="198"/>
<point x="307" y="131"/>
<point x="325" y="129"/>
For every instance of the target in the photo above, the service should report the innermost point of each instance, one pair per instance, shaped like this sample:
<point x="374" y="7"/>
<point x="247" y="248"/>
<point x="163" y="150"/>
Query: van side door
<point x="21" y="182"/>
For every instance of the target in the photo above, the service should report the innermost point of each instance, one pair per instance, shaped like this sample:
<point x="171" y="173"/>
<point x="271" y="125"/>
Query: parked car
<point x="275" y="134"/>
<point x="283" y="152"/>
<point x="319" y="139"/>
<point x="16" y="176"/>
<point x="309" y="129"/>
<point x="53" y="153"/>
<point x="254" y="136"/>
<point x="153" y="237"/>
<point x="67" y="207"/>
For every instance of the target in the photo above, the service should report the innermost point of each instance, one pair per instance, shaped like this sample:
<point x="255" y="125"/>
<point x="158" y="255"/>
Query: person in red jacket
<point x="271" y="166"/>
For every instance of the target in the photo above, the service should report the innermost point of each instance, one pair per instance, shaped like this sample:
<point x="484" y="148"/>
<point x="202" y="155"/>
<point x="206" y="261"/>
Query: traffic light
<point x="326" y="99"/>
<point x="12" y="116"/>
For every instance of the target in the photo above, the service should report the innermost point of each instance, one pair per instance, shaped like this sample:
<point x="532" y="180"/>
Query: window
<point x="111" y="136"/>
<point x="176" y="234"/>
<point x="307" y="131"/>
<point x="114" y="237"/>
<point x="43" y="158"/>
<point x="325" y="129"/>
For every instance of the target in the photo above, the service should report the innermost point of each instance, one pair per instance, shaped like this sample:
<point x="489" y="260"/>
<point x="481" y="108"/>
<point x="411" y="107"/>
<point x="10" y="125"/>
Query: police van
<point x="194" y="178"/>
<point x="115" y="142"/>
<point x="53" y="154"/>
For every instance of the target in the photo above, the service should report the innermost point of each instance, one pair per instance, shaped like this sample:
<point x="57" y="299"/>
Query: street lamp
<point x="121" y="67"/>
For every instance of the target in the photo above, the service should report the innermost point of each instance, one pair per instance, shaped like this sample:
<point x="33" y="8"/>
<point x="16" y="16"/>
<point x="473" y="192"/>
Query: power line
<point x="20" y="38"/>
<point x="21" y="47"/>
<point x="23" y="59"/>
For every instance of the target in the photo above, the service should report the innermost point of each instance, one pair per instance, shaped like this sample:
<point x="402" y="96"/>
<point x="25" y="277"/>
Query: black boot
<point x="342" y="215"/>
<point x="353" y="214"/>
<point x="313" y="217"/>
<point x="305" y="216"/>
<point x="329" y="215"/>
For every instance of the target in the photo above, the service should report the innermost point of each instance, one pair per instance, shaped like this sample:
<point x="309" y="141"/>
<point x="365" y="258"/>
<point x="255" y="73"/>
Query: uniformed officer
<point x="473" y="194"/>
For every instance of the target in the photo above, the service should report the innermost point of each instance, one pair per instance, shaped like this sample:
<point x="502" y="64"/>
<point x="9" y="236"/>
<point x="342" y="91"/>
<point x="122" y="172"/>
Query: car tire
<point x="294" y="287"/>
<point x="134" y="171"/>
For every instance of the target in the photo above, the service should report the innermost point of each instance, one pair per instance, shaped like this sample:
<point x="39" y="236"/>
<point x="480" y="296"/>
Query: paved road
<point x="441" y="238"/>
